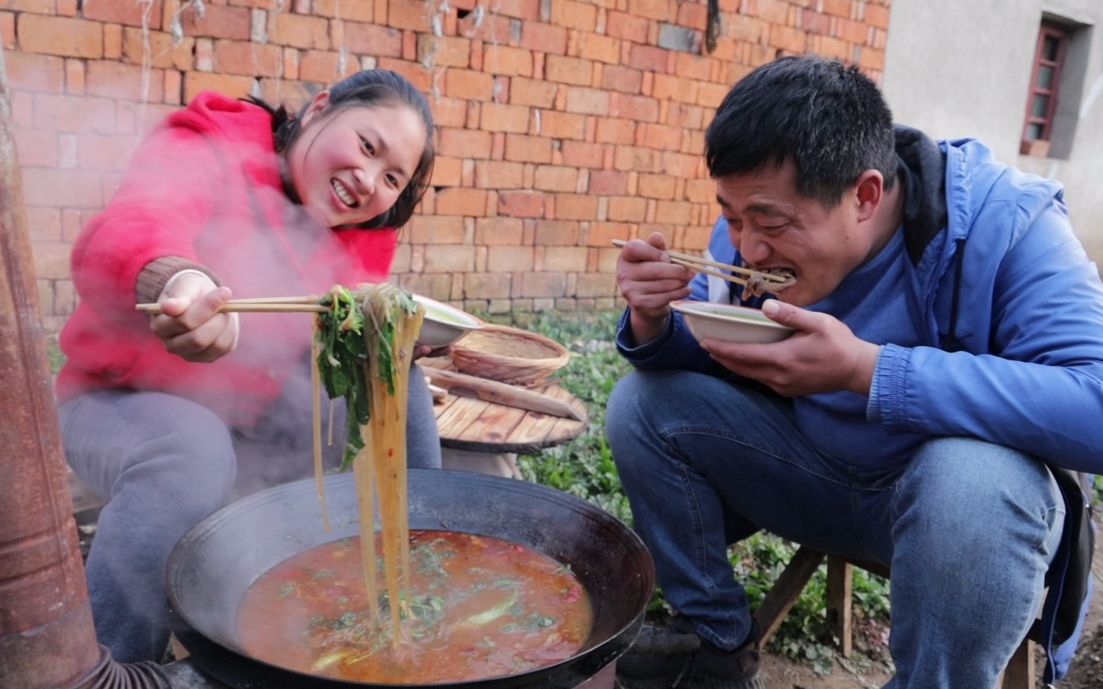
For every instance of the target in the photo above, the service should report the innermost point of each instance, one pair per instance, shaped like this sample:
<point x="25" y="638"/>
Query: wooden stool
<point x="1019" y="674"/>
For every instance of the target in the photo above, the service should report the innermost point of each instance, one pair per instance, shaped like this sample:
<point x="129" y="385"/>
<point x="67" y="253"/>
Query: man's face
<point x="775" y="227"/>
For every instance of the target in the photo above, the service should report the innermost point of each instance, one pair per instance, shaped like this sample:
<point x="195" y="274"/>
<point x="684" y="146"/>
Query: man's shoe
<point x="676" y="658"/>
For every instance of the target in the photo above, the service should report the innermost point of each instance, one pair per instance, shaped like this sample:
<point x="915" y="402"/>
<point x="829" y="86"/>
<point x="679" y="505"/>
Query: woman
<point x="158" y="414"/>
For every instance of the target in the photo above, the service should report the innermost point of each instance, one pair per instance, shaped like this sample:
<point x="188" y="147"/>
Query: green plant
<point x="585" y="468"/>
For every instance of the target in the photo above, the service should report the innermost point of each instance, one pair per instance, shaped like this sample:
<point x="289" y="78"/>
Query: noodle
<point x="363" y="351"/>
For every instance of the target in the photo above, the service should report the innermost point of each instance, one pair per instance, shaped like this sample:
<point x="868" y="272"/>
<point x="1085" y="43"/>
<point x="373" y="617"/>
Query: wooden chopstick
<point x="683" y="259"/>
<point x="707" y="271"/>
<point x="252" y="306"/>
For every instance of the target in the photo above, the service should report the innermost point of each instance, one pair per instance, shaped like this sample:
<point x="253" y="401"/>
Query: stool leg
<point x="840" y="586"/>
<point x="1021" y="671"/>
<point x="785" y="591"/>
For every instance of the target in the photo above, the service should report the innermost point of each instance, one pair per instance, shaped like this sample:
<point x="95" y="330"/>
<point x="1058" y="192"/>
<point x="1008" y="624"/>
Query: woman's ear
<point x="317" y="104"/>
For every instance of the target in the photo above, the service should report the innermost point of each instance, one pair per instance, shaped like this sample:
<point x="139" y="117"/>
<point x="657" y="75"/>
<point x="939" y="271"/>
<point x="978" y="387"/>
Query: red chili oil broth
<point x="479" y="607"/>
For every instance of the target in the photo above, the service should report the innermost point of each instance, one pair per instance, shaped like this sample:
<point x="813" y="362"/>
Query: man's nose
<point x="752" y="246"/>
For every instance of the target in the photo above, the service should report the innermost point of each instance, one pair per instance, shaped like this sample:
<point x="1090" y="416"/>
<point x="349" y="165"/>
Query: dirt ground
<point x="858" y="673"/>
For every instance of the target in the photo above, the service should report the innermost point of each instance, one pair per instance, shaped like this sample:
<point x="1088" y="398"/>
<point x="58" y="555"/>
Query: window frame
<point x="1040" y="146"/>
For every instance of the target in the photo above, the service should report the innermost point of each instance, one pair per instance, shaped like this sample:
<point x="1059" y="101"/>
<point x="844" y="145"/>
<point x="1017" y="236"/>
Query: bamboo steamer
<point x="509" y="355"/>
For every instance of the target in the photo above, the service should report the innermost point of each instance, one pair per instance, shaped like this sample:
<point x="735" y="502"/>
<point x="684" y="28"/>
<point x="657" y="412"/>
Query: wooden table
<point x="478" y="426"/>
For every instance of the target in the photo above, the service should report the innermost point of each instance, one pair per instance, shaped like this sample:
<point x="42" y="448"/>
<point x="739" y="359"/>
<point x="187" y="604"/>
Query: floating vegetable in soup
<point x="480" y="607"/>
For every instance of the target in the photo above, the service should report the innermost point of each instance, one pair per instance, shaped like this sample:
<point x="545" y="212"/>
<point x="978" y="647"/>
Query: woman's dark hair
<point x="829" y="119"/>
<point x="370" y="88"/>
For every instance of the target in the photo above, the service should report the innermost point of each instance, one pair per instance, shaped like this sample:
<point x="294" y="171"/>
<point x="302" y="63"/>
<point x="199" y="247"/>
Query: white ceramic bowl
<point x="443" y="324"/>
<point x="730" y="323"/>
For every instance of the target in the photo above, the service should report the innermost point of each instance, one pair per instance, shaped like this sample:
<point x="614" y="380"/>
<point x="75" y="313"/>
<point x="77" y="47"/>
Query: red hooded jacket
<point x="206" y="186"/>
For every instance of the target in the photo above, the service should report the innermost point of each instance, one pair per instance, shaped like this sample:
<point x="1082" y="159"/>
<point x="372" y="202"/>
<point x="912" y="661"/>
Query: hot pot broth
<point x="479" y="607"/>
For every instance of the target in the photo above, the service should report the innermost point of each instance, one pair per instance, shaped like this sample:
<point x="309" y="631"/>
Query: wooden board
<point x="471" y="424"/>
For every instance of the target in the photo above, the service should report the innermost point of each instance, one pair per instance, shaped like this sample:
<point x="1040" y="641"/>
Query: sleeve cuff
<point x="156" y="274"/>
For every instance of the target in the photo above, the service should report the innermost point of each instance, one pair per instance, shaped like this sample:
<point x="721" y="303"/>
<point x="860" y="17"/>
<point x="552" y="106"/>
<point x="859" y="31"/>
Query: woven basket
<point x="509" y="355"/>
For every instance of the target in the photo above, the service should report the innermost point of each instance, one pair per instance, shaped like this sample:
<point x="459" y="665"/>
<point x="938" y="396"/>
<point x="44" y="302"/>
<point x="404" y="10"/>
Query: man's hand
<point x="649" y="282"/>
<point x="190" y="323"/>
<point x="822" y="356"/>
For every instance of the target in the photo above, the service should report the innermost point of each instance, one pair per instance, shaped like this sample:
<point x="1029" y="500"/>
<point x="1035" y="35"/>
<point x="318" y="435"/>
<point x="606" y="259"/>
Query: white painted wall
<point x="958" y="68"/>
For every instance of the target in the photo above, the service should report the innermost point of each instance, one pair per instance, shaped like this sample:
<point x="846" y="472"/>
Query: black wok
<point x="212" y="567"/>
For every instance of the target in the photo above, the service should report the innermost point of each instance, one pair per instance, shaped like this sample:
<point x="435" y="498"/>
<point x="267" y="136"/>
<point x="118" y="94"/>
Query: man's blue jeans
<point x="163" y="463"/>
<point x="967" y="527"/>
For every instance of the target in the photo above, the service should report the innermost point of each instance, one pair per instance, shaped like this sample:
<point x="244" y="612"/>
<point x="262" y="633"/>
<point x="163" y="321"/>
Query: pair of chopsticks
<point x="703" y="265"/>
<point x="307" y="304"/>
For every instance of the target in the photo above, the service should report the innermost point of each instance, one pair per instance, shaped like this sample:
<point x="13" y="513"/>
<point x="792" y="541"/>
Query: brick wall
<point x="562" y="124"/>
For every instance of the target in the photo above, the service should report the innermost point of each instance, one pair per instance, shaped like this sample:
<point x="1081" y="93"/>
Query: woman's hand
<point x="823" y="355"/>
<point x="649" y="282"/>
<point x="190" y="323"/>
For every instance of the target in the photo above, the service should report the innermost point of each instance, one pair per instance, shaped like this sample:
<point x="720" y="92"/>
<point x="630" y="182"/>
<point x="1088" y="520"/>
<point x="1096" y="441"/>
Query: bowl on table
<point x="444" y="324"/>
<point x="729" y="323"/>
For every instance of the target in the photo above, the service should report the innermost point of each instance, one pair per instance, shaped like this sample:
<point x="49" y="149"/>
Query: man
<point x="947" y="356"/>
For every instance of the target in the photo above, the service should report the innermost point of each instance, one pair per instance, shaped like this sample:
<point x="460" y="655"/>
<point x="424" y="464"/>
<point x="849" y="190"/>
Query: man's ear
<point x="869" y="191"/>
<point x="317" y="104"/>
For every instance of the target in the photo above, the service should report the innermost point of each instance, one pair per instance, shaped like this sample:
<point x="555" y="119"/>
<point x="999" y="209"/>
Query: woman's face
<point x="349" y="165"/>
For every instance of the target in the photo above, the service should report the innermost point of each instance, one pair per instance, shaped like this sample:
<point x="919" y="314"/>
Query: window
<point x="1041" y="102"/>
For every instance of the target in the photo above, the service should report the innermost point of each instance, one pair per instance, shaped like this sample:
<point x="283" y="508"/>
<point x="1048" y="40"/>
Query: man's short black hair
<point x="829" y="119"/>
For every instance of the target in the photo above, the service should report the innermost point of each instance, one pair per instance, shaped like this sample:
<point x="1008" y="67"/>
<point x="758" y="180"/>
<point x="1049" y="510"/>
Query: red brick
<point x="627" y="208"/>
<point x="505" y="258"/>
<point x="587" y="101"/>
<point x="39" y="34"/>
<point x="871" y="60"/>
<point x="693" y="15"/>
<point x="369" y="39"/>
<point x="555" y="178"/>
<point x="498" y="174"/>
<point x="43" y="224"/>
<point x="608" y="182"/>
<point x="602" y="234"/>
<point x="674" y="212"/>
<point x="505" y="118"/>
<point x="710" y="95"/>
<point x="837" y="8"/>
<point x="624" y="79"/>
<point x="95" y="152"/>
<point x="626" y="26"/>
<point x="443" y="51"/>
<point x="297" y="31"/>
<point x="877" y="16"/>
<point x="556" y="233"/>
<point x="636" y="158"/>
<point x="521" y="9"/>
<point x="34" y="72"/>
<point x="615" y="131"/>
<point x="656" y="186"/>
<point x="123" y="12"/>
<point x="323" y="67"/>
<point x="450" y="112"/>
<point x="491" y="28"/>
<point x="22" y="109"/>
<point x="575" y="207"/>
<point x="772" y="11"/>
<point x="120" y="81"/>
<point x="521" y="204"/>
<point x="229" y="85"/>
<point x="163" y="53"/>
<point x="853" y="31"/>
<point x="219" y="21"/>
<point x="467" y="84"/>
<point x="659" y="136"/>
<point x="538" y="94"/>
<point x="574" y="15"/>
<point x="682" y="165"/>
<point x="408" y="14"/>
<point x="528" y="149"/>
<point x="649" y="58"/>
<point x="35" y="6"/>
<point x="569" y="70"/>
<point x="35" y="148"/>
<point x="173" y="87"/>
<point x="582" y="154"/>
<point x="73" y="114"/>
<point x="639" y="108"/>
<point x="42" y="185"/>
<point x="605" y="49"/>
<point x="545" y="38"/>
<point x="562" y="125"/>
<point x="486" y="286"/>
<point x="417" y="75"/>
<point x="497" y="231"/>
<point x="7" y="30"/>
<point x="454" y="258"/>
<point x="464" y="143"/>
<point x="542" y="284"/>
<point x="661" y="10"/>
<point x="357" y="10"/>
<point x="507" y="61"/>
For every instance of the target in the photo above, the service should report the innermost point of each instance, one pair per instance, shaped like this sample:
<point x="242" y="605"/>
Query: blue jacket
<point x="1010" y="318"/>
